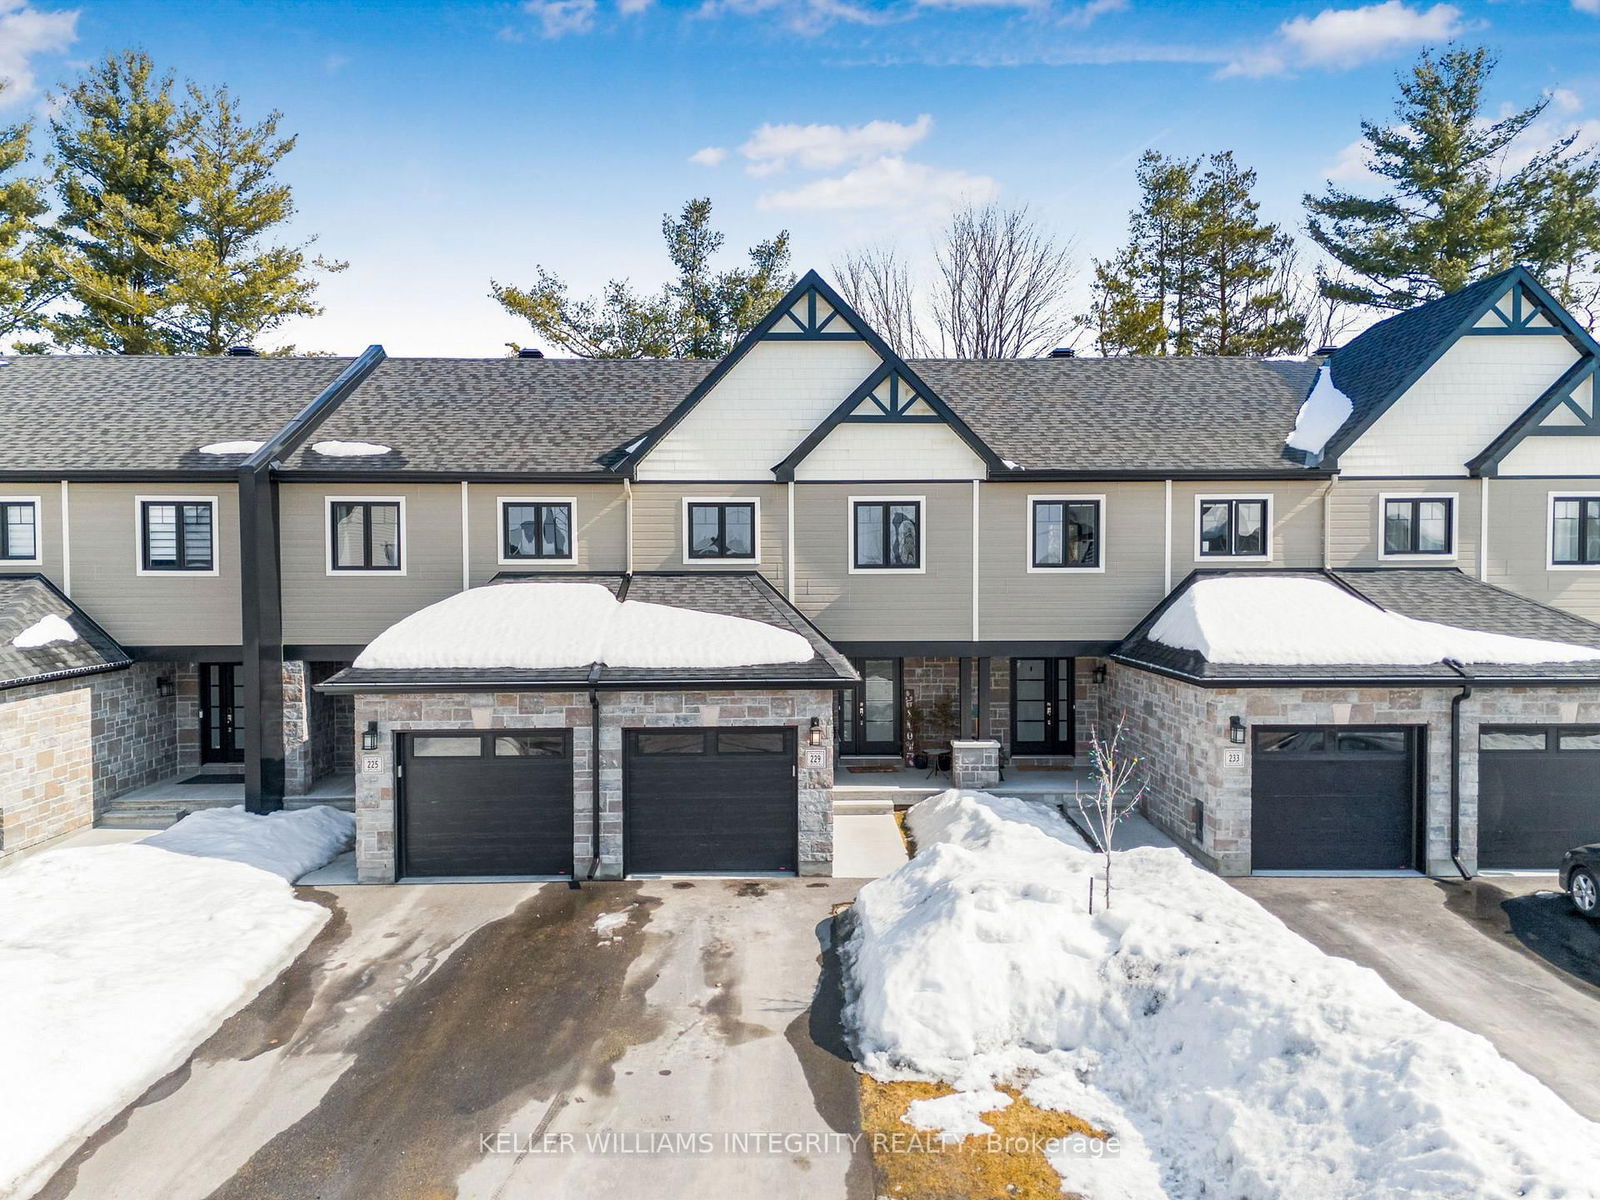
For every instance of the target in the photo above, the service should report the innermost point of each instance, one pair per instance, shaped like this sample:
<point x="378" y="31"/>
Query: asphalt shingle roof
<point x="730" y="593"/>
<point x="1444" y="595"/>
<point x="25" y="600"/>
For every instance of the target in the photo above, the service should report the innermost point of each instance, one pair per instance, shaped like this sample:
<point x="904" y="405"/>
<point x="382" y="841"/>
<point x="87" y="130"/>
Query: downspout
<point x="594" y="768"/>
<point x="1455" y="763"/>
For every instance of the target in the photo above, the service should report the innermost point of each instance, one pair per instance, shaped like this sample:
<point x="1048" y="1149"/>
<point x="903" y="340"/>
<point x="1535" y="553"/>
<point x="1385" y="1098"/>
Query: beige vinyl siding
<point x="1354" y="539"/>
<point x="600" y="534"/>
<point x="935" y="604"/>
<point x="1519" y="516"/>
<point x="48" y="494"/>
<point x="1072" y="604"/>
<point x="164" y="609"/>
<point x="658" y="527"/>
<point x="1296" y="522"/>
<point x="323" y="609"/>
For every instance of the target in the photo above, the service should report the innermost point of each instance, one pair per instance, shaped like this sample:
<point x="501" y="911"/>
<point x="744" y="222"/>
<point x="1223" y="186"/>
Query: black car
<point x="1580" y="876"/>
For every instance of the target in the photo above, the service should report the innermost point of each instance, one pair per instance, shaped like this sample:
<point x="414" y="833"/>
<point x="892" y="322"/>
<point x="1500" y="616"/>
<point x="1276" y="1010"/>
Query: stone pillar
<point x="975" y="765"/>
<point x="298" y="771"/>
<point x="187" y="710"/>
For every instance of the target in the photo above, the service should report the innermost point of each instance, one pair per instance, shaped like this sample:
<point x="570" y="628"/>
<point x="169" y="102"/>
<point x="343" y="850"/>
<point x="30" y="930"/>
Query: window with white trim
<point x="1065" y="534"/>
<point x="536" y="530"/>
<point x="365" y="535"/>
<point x="19" y="531"/>
<point x="177" y="535"/>
<point x="1575" y="531"/>
<point x="887" y="535"/>
<point x="1233" y="528"/>
<point x="1420" y="525"/>
<point x="721" y="530"/>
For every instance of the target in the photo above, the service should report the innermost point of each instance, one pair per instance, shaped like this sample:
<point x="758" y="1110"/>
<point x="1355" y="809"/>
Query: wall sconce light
<point x="814" y="734"/>
<point x="1100" y="673"/>
<point x="164" y="685"/>
<point x="369" y="736"/>
<point x="1236" y="730"/>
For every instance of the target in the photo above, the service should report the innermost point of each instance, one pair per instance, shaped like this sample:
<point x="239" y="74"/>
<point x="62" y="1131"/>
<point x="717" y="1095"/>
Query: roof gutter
<point x="1455" y="763"/>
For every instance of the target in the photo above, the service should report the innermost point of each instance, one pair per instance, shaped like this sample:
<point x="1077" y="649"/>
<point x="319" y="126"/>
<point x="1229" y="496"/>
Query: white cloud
<point x="1564" y="99"/>
<point x="1587" y="6"/>
<point x="709" y="156"/>
<point x="560" y="17"/>
<point x="1353" y="164"/>
<point x="26" y="31"/>
<point x="889" y="183"/>
<point x="773" y="148"/>
<point x="1085" y="15"/>
<point x="1341" y="38"/>
<point x="630" y="8"/>
<point x="802" y="16"/>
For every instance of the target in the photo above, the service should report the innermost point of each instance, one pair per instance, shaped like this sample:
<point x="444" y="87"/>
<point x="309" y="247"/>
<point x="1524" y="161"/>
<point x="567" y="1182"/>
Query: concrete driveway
<point x="1505" y="957"/>
<point x="492" y="1040"/>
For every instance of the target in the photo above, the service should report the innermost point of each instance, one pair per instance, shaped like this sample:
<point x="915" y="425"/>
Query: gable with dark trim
<point x="1558" y="401"/>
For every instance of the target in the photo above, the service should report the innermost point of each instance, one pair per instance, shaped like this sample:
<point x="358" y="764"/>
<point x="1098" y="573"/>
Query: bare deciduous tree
<point x="877" y="283"/>
<point x="1120" y="786"/>
<point x="1001" y="284"/>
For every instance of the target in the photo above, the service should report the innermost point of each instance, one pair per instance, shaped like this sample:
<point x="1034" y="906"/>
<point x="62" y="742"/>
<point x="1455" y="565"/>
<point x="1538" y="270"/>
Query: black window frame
<point x="885" y="534"/>
<point x="509" y="553"/>
<point x="335" y="503"/>
<point x="1233" y="503"/>
<point x="6" y="553"/>
<point x="722" y="507"/>
<point x="181" y="564"/>
<point x="1065" y="503"/>
<point x="1584" y="503"/>
<point x="1416" y="502"/>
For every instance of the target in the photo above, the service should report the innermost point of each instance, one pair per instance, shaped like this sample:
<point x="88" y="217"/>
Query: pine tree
<point x="1121" y="318"/>
<point x="1451" y="213"/>
<point x="1242" y="300"/>
<point x="117" y="140"/>
<point x="228" y="283"/>
<point x="26" y="281"/>
<point x="1564" y="243"/>
<point x="1163" y="235"/>
<point x="700" y="314"/>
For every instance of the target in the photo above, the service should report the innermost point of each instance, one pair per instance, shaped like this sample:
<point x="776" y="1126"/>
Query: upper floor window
<point x="536" y="530"/>
<point x="1064" y="532"/>
<point x="19" y="530"/>
<point x="720" y="530"/>
<point x="364" y="535"/>
<point x="1234" y="527"/>
<point x="177" y="534"/>
<point x="1575" y="531"/>
<point x="886" y="534"/>
<point x="1419" y="525"/>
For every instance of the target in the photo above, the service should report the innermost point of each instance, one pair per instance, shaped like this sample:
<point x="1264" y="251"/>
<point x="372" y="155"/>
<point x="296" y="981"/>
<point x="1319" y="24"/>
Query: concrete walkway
<point x="1505" y="958"/>
<point x="517" y="1041"/>
<point x="866" y="845"/>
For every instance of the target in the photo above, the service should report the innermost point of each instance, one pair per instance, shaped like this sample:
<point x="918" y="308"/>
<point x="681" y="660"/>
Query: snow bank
<point x="1307" y="622"/>
<point x="232" y="447"/>
<point x="958" y="1115"/>
<point x="532" y="625"/>
<point x="1187" y="1020"/>
<point x="1325" y="410"/>
<point x="115" y="963"/>
<point x="46" y="631"/>
<point x="289" y="844"/>
<point x="350" y="449"/>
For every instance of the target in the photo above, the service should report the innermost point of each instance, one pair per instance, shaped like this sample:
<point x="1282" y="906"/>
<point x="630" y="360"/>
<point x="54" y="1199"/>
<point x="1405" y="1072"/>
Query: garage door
<point x="486" y="803"/>
<point x="1333" y="798"/>
<point x="1538" y="793"/>
<point x="710" y="800"/>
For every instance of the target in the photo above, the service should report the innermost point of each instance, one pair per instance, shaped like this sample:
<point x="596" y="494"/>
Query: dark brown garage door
<point x="1334" y="798"/>
<point x="486" y="803"/>
<point x="710" y="800"/>
<point x="1538" y="793"/>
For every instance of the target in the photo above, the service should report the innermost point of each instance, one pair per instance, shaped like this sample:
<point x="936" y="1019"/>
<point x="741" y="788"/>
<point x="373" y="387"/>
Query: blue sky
<point x="445" y="144"/>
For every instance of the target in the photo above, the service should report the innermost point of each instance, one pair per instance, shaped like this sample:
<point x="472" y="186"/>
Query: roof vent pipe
<point x="529" y="352"/>
<point x="1063" y="352"/>
<point x="1325" y="351"/>
<point x="242" y="352"/>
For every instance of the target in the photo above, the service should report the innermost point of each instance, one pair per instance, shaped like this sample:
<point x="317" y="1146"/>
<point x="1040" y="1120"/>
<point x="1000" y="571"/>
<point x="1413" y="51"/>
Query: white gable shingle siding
<point x="920" y="450"/>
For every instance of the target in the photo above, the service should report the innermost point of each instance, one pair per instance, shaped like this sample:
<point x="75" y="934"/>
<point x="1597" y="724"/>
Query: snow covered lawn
<point x="1226" y="1055"/>
<point x="117" y="961"/>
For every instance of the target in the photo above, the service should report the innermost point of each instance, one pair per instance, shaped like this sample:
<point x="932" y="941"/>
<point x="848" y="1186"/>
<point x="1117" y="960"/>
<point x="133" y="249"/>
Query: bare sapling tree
<point x="1000" y="289"/>
<point x="877" y="283"/>
<point x="1120" y="786"/>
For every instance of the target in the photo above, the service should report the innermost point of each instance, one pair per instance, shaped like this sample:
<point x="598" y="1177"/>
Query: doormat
<point x="213" y="779"/>
<point x="873" y="769"/>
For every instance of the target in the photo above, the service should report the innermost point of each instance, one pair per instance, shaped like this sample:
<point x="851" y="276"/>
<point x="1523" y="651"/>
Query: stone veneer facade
<point x="1181" y="732"/>
<point x="935" y="679"/>
<point x="394" y="713"/>
<point x="70" y="745"/>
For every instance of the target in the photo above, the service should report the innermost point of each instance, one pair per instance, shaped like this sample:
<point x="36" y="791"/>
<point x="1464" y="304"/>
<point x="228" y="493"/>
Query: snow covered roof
<point x="1265" y="626"/>
<point x="43" y="635"/>
<point x="537" y="632"/>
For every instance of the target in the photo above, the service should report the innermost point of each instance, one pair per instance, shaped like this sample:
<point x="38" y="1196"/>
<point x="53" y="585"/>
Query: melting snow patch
<point x="957" y="1116"/>
<point x="1228" y="1056"/>
<point x="1311" y="622"/>
<point x="231" y="448"/>
<point x="536" y="625"/>
<point x="350" y="449"/>
<point x="608" y="925"/>
<point x="289" y="843"/>
<point x="1325" y="410"/>
<point x="46" y="631"/>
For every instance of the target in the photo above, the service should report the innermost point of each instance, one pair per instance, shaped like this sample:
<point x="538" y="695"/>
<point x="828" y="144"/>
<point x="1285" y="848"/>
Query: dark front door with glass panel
<point x="1041" y="705"/>
<point x="222" y="712"/>
<point x="869" y="713"/>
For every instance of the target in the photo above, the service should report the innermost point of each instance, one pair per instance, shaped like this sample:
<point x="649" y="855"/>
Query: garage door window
<point x="531" y="745"/>
<point x="751" y="741"/>
<point x="1511" y="739"/>
<point x="1290" y="741"/>
<point x="1372" y="741"/>
<point x="446" y="747"/>
<point x="1579" y="739"/>
<point x="653" y="744"/>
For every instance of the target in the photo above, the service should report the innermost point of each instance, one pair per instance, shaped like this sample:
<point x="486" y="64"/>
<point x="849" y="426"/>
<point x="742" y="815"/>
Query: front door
<point x="869" y="713"/>
<point x="221" y="712"/>
<point x="1041" y="705"/>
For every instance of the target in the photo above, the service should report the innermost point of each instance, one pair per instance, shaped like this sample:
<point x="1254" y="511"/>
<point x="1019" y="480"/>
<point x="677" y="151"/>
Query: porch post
<point x="983" y="699"/>
<point x="963" y="697"/>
